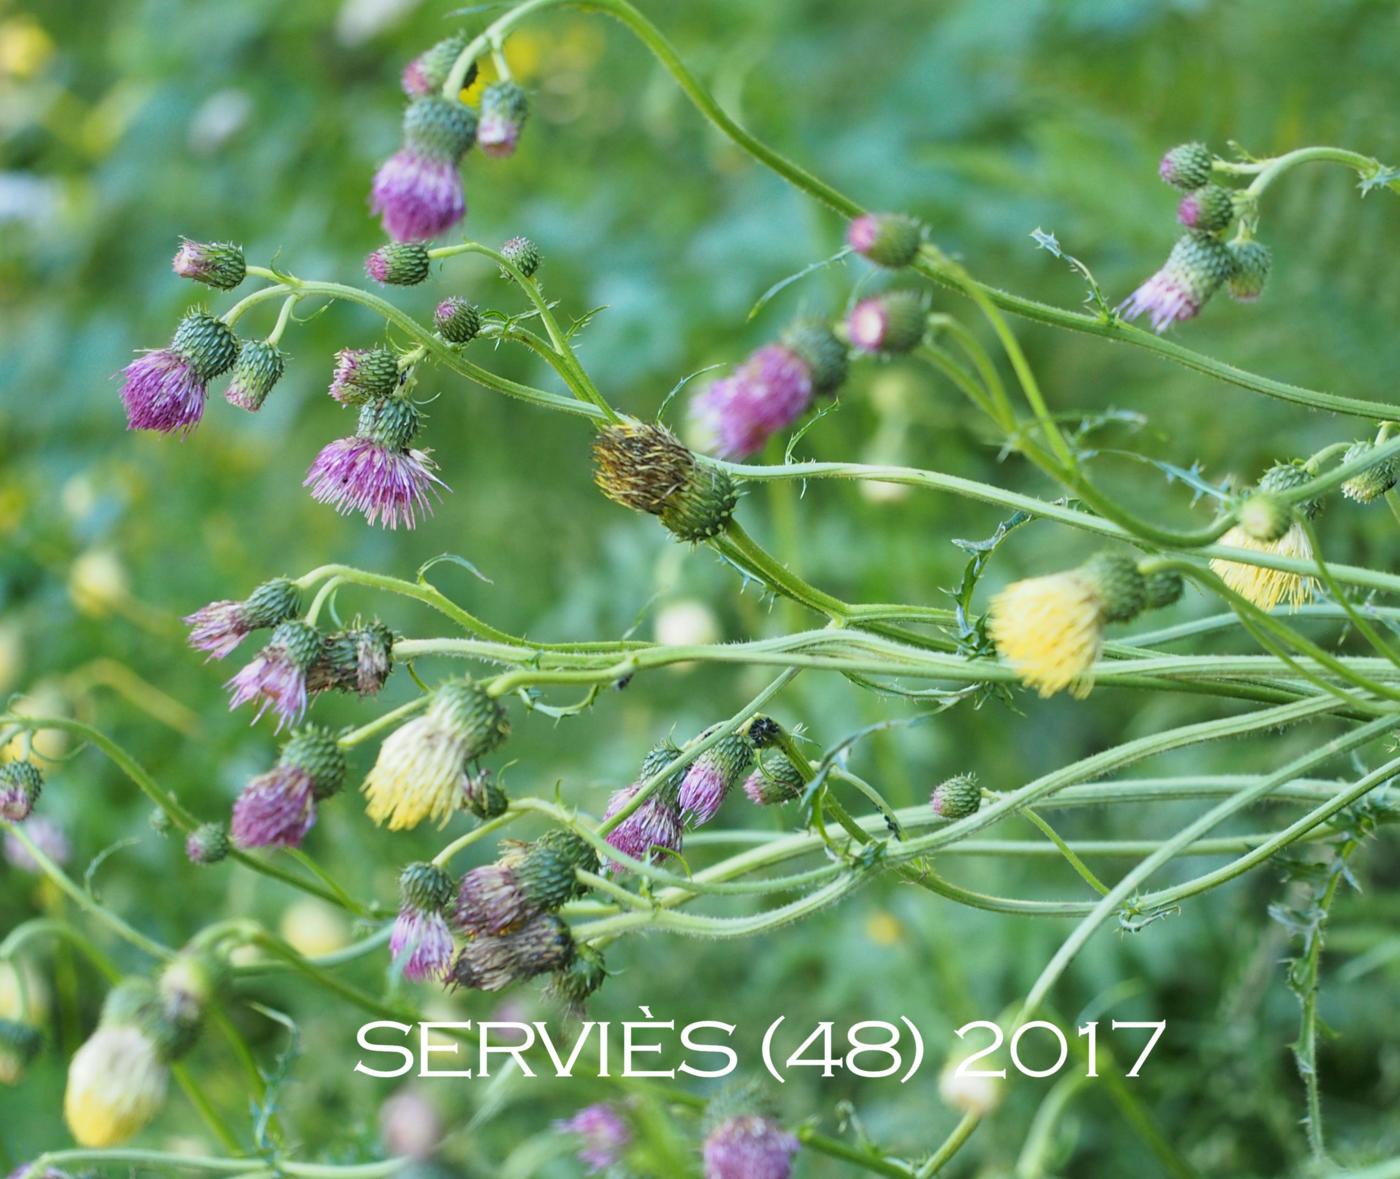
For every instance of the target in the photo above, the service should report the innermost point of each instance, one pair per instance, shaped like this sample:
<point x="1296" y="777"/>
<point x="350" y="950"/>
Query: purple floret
<point x="361" y="475"/>
<point x="162" y="391"/>
<point x="425" y="938"/>
<point x="418" y="196"/>
<point x="276" y="809"/>
<point x="764" y="396"/>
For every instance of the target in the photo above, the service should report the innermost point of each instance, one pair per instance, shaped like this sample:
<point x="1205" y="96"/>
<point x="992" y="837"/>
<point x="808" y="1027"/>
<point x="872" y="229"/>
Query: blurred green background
<point x="126" y="124"/>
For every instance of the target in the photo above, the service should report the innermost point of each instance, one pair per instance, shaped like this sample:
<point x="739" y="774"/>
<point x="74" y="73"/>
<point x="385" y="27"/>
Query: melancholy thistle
<point x="774" y="780"/>
<point x="457" y="320"/>
<point x="1051" y="628"/>
<point x="711" y="776"/>
<point x="1195" y="269"/>
<point x="529" y="879"/>
<point x="357" y="659"/>
<point x="363" y="374"/>
<point x="421" y="936"/>
<point x="655" y="827"/>
<point x="770" y="390"/>
<point x="276" y="677"/>
<point x="21" y="783"/>
<point x="258" y="368"/>
<point x="891" y="240"/>
<point x="19" y="1045"/>
<point x="117" y="1079"/>
<point x="542" y="945"/>
<point x="1268" y="525"/>
<point x="427" y="73"/>
<point x="399" y="264"/>
<point x="743" y="1141"/>
<point x="418" y="190"/>
<point x="1252" y="261"/>
<point x="1186" y="166"/>
<point x="217" y="264"/>
<point x="278" y="808"/>
<point x="504" y="108"/>
<point x="220" y="626"/>
<point x="165" y="389"/>
<point x="956" y="798"/>
<point x="645" y="467"/>
<point x="888" y="324"/>
<point x="421" y="765"/>
<point x="377" y="472"/>
<point x="1372" y="483"/>
<point x="207" y="844"/>
<point x="603" y="1135"/>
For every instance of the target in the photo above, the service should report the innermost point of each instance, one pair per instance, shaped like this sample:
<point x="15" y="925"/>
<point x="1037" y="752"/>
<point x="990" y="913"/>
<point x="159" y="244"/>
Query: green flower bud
<point x="426" y="887"/>
<point x="216" y="264"/>
<point x="399" y="264"/>
<point x="956" y="798"/>
<point x="1251" y="271"/>
<point x="521" y="253"/>
<point x="1374" y="481"/>
<point x="775" y="780"/>
<point x="439" y="127"/>
<point x="315" y="751"/>
<point x="1208" y="209"/>
<point x="483" y="796"/>
<point x="207" y="844"/>
<point x="1187" y="166"/>
<point x="258" y="368"/>
<point x="1121" y="588"/>
<point x="647" y="468"/>
<point x="457" y="321"/>
<point x="887" y="239"/>
<point x="824" y="355"/>
<point x="206" y="342"/>
<point x="1162" y="588"/>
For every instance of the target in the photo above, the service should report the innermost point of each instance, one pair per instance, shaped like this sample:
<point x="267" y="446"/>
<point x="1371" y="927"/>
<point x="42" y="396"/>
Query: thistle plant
<point x="805" y="802"/>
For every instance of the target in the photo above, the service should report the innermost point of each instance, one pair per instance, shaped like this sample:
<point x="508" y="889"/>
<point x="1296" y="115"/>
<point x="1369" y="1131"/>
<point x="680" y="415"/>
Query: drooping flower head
<point x="363" y="374"/>
<point x="743" y="1141"/>
<point x="887" y="239"/>
<point x="259" y="367"/>
<point x="1268" y="525"/>
<point x="957" y="797"/>
<point x="399" y="264"/>
<point x="20" y="785"/>
<point x="421" y="765"/>
<point x="276" y="678"/>
<point x="117" y="1079"/>
<point x="603" y="1135"/>
<point x="165" y="390"/>
<point x="711" y="776"/>
<point x="1252" y="261"/>
<point x="44" y="834"/>
<point x="1195" y="269"/>
<point x="418" y="190"/>
<point x="217" y="264"/>
<point x="1051" y="629"/>
<point x="457" y="320"/>
<point x="426" y="73"/>
<point x="357" y="659"/>
<point x="774" y="780"/>
<point x="543" y="944"/>
<point x="888" y="324"/>
<point x="1374" y="481"/>
<point x="504" y="108"/>
<point x="377" y="472"/>
<point x="645" y="467"/>
<point x="421" y="937"/>
<point x="19" y="1045"/>
<point x="207" y="844"/>
<point x="771" y="389"/>
<point x="220" y="626"/>
<point x="650" y="831"/>
<point x="1186" y="166"/>
<point x="573" y="983"/>
<point x="278" y="808"/>
<point x="531" y="878"/>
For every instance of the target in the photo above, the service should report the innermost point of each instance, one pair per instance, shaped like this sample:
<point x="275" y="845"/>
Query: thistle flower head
<point x="399" y="264"/>
<point x="647" y="468"/>
<point x="418" y="191"/>
<point x="276" y="678"/>
<point x="543" y="944"/>
<point x="764" y="396"/>
<point x="377" y="472"/>
<point x="165" y="390"/>
<point x="185" y="989"/>
<point x="1266" y="588"/>
<point x="957" y="797"/>
<point x="207" y="844"/>
<point x="748" y="1146"/>
<point x="1374" y="481"/>
<point x="887" y="239"/>
<point x="363" y="374"/>
<point x="20" y="785"/>
<point x="603" y="1135"/>
<point x="650" y="831"/>
<point x="1252" y="261"/>
<point x="426" y="73"/>
<point x="421" y="765"/>
<point x="278" y="808"/>
<point x="711" y="776"/>
<point x="504" y="108"/>
<point x="420" y="936"/>
<point x="44" y="834"/>
<point x="1210" y="208"/>
<point x="578" y="979"/>
<point x="220" y="626"/>
<point x="1186" y="166"/>
<point x="19" y="1044"/>
<point x="521" y="253"/>
<point x="457" y="320"/>
<point x="888" y="324"/>
<point x="533" y="878"/>
<point x="774" y="780"/>
<point x="357" y="659"/>
<point x="1192" y="273"/>
<point x="1051" y="629"/>
<point x="258" y="368"/>
<point x="217" y="264"/>
<point x="490" y="901"/>
<point x="117" y="1079"/>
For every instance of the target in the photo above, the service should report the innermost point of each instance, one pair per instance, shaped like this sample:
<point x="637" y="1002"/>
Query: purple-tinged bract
<point x="649" y="831"/>
<point x="276" y="809"/>
<point x="749" y="1147"/>
<point x="423" y="941"/>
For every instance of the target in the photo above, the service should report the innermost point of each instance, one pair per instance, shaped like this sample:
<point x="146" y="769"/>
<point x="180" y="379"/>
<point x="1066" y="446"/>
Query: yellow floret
<point x="1266" y="588"/>
<point x="1050" y="629"/>
<point x="116" y="1084"/>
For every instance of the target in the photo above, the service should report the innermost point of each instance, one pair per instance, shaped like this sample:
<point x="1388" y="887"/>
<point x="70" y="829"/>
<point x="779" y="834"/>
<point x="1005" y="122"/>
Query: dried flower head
<point x="543" y="944"/>
<point x="647" y="468"/>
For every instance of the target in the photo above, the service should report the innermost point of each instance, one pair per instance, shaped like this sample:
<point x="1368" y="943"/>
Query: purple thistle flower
<point x="276" y="678"/>
<point x="654" y="824"/>
<point x="46" y="835"/>
<point x="702" y="790"/>
<point x="1192" y="273"/>
<point x="376" y="472"/>
<point x="276" y="809"/>
<point x="868" y="324"/>
<point x="165" y="390"/>
<point x="498" y="135"/>
<point x="424" y="937"/>
<point x="604" y="1134"/>
<point x="749" y="1147"/>
<point x="418" y="196"/>
<point x="764" y="396"/>
<point x="490" y="901"/>
<point x="220" y="626"/>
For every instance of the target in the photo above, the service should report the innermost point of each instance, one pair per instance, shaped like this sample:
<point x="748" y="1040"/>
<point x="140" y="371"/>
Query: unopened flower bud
<point x="1374" y="481"/>
<point x="823" y="354"/>
<point x="1186" y="166"/>
<point x="889" y="324"/>
<point x="19" y="1044"/>
<point x="647" y="468"/>
<point x="20" y="785"/>
<point x="1162" y="588"/>
<point x="584" y="974"/>
<point x="483" y="796"/>
<point x="258" y="368"/>
<point x="775" y="780"/>
<point x="457" y="320"/>
<point x="887" y="239"/>
<point x="540" y="946"/>
<point x="399" y="264"/>
<point x="1252" y="261"/>
<point x="956" y="798"/>
<point x="217" y="264"/>
<point x="426" y="73"/>
<point x="362" y="374"/>
<point x="1210" y="208"/>
<point x="185" y="989"/>
<point x="521" y="253"/>
<point x="207" y="844"/>
<point x="504" y="108"/>
<point x="1285" y="476"/>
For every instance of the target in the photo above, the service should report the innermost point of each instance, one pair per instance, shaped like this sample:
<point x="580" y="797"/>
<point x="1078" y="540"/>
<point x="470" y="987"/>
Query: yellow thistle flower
<point x="1266" y="588"/>
<point x="116" y="1084"/>
<point x="421" y="765"/>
